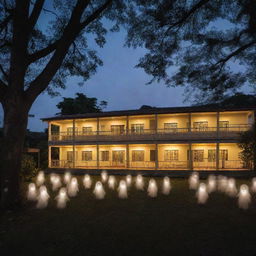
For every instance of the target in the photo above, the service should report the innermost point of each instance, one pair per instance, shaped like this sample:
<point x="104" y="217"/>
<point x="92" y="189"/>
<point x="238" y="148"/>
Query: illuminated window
<point x="200" y="126"/>
<point x="104" y="155"/>
<point x="69" y="130"/>
<point x="118" y="156"/>
<point x="137" y="155"/>
<point x="211" y="155"/>
<point x="171" y="127"/>
<point x="224" y="154"/>
<point x="117" y="129"/>
<point x="223" y="125"/>
<point x="87" y="130"/>
<point x="198" y="155"/>
<point x="70" y="155"/>
<point x="171" y="155"/>
<point x="86" y="155"/>
<point x="137" y="128"/>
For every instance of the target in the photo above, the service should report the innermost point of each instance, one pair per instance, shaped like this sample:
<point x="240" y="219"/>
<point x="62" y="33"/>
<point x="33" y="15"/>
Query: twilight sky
<point x="118" y="82"/>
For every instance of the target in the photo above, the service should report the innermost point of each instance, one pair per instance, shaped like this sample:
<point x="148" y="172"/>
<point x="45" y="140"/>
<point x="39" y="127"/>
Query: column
<point x="190" y="152"/>
<point x="218" y="123"/>
<point x="98" y="126"/>
<point x="49" y="132"/>
<point x="127" y="125"/>
<point x="217" y="156"/>
<point x="189" y="122"/>
<point x="98" y="157"/>
<point x="127" y="156"/>
<point x="73" y="143"/>
<point x="156" y="123"/>
<point x="156" y="157"/>
<point x="49" y="156"/>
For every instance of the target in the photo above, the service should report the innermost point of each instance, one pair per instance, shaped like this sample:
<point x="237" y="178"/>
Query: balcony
<point x="174" y="134"/>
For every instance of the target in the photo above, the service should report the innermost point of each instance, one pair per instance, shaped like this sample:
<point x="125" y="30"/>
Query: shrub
<point x="28" y="167"/>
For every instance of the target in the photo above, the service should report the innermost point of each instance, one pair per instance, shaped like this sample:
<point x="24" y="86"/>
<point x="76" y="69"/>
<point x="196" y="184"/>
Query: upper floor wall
<point x="183" y="126"/>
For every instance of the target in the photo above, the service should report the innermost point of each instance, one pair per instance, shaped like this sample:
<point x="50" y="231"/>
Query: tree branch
<point x="236" y="52"/>
<point x="3" y="90"/>
<point x="6" y="21"/>
<point x="4" y="73"/>
<point x="35" y="13"/>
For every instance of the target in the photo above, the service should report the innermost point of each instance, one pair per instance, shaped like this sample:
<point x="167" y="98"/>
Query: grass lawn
<point x="140" y="225"/>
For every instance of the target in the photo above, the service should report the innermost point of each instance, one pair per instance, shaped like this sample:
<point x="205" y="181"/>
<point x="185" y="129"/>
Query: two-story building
<point x="181" y="138"/>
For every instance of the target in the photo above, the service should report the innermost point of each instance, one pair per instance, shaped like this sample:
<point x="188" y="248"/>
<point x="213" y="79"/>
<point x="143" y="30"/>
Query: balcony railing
<point x="150" y="165"/>
<point x="172" y="133"/>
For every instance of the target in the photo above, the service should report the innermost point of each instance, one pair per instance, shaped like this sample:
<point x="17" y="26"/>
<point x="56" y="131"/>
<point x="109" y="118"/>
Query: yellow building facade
<point x="184" y="138"/>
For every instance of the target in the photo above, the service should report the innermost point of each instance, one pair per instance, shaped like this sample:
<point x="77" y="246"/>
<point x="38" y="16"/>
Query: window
<point x="223" y="125"/>
<point x="104" y="155"/>
<point x="137" y="128"/>
<point x="224" y="154"/>
<point x="137" y="155"/>
<point x="200" y="126"/>
<point x="69" y="130"/>
<point x="87" y="130"/>
<point x="171" y="155"/>
<point x="211" y="155"/>
<point x="171" y="127"/>
<point x="118" y="156"/>
<point x="198" y="155"/>
<point x="86" y="155"/>
<point x="152" y="155"/>
<point x="117" y="129"/>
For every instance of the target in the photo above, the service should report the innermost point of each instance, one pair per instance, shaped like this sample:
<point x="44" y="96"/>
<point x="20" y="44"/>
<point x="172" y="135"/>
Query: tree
<point x="39" y="48"/>
<point x="248" y="145"/>
<point x="206" y="45"/>
<point x="81" y="104"/>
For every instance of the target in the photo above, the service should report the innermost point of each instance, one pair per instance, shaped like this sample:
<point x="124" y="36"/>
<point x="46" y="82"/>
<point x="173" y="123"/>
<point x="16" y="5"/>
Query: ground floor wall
<point x="195" y="156"/>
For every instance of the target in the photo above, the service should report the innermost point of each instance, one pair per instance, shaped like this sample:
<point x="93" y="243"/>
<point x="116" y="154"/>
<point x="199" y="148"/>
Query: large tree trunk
<point x="15" y="124"/>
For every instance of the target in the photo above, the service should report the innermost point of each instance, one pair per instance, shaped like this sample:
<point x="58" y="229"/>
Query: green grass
<point x="167" y="225"/>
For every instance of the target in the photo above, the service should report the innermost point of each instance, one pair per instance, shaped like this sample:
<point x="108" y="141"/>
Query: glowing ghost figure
<point x="231" y="189"/>
<point x="128" y="180"/>
<point x="40" y="179"/>
<point x="112" y="182"/>
<point x="244" y="197"/>
<point x="193" y="180"/>
<point x="56" y="182"/>
<point x="62" y="198"/>
<point x="67" y="177"/>
<point x="139" y="183"/>
<point x="73" y="187"/>
<point x="152" y="188"/>
<point x="222" y="183"/>
<point x="253" y="186"/>
<point x="122" y="190"/>
<point x="104" y="176"/>
<point x="202" y="194"/>
<point x="166" y="186"/>
<point x="52" y="177"/>
<point x="211" y="184"/>
<point x="87" y="181"/>
<point x="99" y="191"/>
<point x="32" y="192"/>
<point x="42" y="198"/>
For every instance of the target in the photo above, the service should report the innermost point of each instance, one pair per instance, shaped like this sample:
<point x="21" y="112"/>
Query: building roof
<point x="150" y="111"/>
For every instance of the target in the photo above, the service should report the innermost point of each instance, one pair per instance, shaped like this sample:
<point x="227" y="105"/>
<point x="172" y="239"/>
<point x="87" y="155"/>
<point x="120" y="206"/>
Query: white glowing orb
<point x="139" y="182"/>
<point x="99" y="191"/>
<point x="42" y="198"/>
<point x="202" y="194"/>
<point x="231" y="189"/>
<point x="253" y="186"/>
<point x="112" y="182"/>
<point x="122" y="190"/>
<point x="56" y="182"/>
<point x="152" y="188"/>
<point x="193" y="180"/>
<point x="211" y="184"/>
<point x="222" y="183"/>
<point x="73" y="187"/>
<point x="128" y="180"/>
<point x="87" y="181"/>
<point x="32" y="192"/>
<point x="67" y="177"/>
<point x="40" y="179"/>
<point x="244" y="197"/>
<point x="62" y="198"/>
<point x="166" y="186"/>
<point x="104" y="176"/>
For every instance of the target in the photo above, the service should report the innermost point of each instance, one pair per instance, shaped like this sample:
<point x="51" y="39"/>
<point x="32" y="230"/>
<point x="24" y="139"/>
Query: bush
<point x="28" y="168"/>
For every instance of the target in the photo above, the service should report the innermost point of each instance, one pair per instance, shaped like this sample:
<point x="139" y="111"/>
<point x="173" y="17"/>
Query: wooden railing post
<point x="98" y="156"/>
<point x="127" y="125"/>
<point x="156" y="157"/>
<point x="127" y="156"/>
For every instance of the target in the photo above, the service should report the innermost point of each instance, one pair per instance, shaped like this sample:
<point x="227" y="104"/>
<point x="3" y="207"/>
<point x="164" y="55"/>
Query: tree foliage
<point x="81" y="104"/>
<point x="208" y="46"/>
